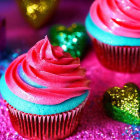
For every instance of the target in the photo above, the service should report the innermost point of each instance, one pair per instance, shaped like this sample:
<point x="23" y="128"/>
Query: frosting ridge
<point x="119" y="17"/>
<point x="49" y="67"/>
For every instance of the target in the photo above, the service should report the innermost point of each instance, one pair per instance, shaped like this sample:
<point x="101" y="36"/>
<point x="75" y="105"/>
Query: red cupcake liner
<point x="43" y="127"/>
<point x="118" y="58"/>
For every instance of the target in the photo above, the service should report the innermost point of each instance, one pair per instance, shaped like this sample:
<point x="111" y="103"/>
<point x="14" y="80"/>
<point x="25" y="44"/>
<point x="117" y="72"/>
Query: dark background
<point x="20" y="34"/>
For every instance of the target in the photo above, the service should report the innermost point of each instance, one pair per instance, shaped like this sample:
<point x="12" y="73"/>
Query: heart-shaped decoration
<point x="73" y="39"/>
<point x="123" y="104"/>
<point x="37" y="12"/>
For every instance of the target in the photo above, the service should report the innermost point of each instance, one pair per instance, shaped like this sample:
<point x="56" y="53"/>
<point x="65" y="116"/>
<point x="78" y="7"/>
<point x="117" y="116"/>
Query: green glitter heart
<point x="73" y="39"/>
<point x="123" y="104"/>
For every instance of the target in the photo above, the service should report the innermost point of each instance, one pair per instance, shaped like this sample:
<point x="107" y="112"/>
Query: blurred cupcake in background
<point x="114" y="27"/>
<point x="45" y="90"/>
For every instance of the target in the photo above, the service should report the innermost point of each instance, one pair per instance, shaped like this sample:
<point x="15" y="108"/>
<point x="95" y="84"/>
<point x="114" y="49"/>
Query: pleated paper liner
<point x="118" y="58"/>
<point x="44" y="127"/>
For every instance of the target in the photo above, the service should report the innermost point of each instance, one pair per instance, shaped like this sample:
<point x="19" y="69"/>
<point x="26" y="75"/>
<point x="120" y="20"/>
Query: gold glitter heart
<point x="123" y="104"/>
<point x="37" y="12"/>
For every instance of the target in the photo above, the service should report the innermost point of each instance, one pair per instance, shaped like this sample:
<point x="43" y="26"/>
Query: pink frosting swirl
<point x="50" y="67"/>
<point x="119" y="17"/>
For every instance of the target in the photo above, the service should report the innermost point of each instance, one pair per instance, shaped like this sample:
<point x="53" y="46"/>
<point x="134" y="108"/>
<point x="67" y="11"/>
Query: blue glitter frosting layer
<point x="38" y="109"/>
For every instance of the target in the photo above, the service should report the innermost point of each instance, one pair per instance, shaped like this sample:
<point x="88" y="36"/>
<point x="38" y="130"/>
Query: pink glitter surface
<point x="95" y="124"/>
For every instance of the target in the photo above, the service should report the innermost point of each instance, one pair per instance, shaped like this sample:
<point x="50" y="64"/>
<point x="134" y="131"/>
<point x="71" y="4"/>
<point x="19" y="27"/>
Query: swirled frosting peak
<point x="120" y="17"/>
<point x="46" y="75"/>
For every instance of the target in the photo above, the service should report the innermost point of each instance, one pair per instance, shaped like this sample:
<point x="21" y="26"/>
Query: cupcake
<point x="45" y="90"/>
<point x="114" y="27"/>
